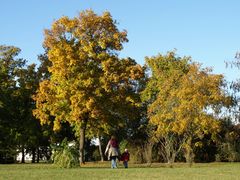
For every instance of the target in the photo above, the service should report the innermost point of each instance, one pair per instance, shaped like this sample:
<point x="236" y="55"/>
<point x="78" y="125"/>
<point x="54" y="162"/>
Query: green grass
<point x="98" y="171"/>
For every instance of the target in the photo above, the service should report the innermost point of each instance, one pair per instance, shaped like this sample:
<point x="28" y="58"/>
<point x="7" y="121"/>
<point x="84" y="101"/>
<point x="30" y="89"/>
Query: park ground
<point x="101" y="170"/>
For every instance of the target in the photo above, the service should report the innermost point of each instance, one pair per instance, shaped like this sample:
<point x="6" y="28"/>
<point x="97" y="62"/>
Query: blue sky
<point x="206" y="30"/>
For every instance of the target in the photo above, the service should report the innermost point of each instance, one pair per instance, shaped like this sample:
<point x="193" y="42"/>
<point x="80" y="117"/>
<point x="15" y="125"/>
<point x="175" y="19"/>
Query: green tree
<point x="89" y="85"/>
<point x="228" y="144"/>
<point x="20" y="131"/>
<point x="31" y="136"/>
<point x="9" y="66"/>
<point x="234" y="88"/>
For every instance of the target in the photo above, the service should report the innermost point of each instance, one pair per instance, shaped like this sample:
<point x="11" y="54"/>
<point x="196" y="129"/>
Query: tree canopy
<point x="183" y="98"/>
<point x="89" y="85"/>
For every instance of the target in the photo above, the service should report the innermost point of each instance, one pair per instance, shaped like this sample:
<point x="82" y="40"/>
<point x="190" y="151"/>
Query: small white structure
<point x="27" y="157"/>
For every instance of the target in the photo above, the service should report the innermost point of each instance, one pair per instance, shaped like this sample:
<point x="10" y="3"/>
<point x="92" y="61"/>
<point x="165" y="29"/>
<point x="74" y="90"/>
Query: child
<point x="125" y="157"/>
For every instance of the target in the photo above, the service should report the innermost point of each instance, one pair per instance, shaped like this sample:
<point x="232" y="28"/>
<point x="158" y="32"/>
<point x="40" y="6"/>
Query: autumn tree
<point x="89" y="87"/>
<point x="183" y="99"/>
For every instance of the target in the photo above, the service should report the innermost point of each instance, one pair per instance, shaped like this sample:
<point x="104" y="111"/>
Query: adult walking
<point x="113" y="151"/>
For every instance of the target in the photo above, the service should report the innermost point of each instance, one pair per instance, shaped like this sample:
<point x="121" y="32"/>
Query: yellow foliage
<point x="88" y="80"/>
<point x="183" y="96"/>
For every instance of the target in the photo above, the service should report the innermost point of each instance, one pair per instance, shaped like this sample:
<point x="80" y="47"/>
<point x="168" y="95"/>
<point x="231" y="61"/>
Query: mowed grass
<point x="98" y="171"/>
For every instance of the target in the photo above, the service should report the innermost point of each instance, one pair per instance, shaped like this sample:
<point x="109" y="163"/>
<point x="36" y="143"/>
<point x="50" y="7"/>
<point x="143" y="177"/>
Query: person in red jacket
<point x="125" y="157"/>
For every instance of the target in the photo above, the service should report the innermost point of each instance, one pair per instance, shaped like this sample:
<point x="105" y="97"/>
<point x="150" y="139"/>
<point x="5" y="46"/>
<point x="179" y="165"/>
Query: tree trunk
<point x="33" y="155"/>
<point x="38" y="155"/>
<point x="148" y="152"/>
<point x="171" y="149"/>
<point x="81" y="143"/>
<point x="23" y="155"/>
<point x="100" y="148"/>
<point x="189" y="154"/>
<point x="171" y="145"/>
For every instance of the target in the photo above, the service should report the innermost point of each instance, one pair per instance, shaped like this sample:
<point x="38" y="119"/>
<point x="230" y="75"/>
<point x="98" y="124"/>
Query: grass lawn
<point x="98" y="171"/>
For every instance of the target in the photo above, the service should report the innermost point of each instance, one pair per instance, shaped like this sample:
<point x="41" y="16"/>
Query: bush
<point x="227" y="152"/>
<point x="65" y="155"/>
<point x="96" y="155"/>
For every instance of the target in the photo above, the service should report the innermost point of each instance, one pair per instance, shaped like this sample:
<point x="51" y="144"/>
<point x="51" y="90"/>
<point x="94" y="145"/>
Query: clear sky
<point x="206" y="30"/>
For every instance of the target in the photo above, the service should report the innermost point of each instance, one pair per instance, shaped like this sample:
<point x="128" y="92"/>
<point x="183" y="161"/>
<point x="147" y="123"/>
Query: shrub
<point x="65" y="155"/>
<point x="227" y="152"/>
